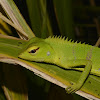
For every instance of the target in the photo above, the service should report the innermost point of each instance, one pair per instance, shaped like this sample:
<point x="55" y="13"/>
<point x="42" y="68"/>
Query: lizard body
<point x="66" y="54"/>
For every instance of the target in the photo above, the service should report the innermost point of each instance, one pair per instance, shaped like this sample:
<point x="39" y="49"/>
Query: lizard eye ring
<point x="34" y="50"/>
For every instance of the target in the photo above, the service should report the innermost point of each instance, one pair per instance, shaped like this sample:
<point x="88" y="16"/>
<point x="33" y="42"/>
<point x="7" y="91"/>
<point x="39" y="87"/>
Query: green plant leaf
<point x="15" y="15"/>
<point x="12" y="78"/>
<point x="40" y="21"/>
<point x="63" y="11"/>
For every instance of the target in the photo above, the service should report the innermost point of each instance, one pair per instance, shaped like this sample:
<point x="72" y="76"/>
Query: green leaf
<point x="35" y="16"/>
<point x="40" y="21"/>
<point x="15" y="15"/>
<point x="12" y="78"/>
<point x="63" y="11"/>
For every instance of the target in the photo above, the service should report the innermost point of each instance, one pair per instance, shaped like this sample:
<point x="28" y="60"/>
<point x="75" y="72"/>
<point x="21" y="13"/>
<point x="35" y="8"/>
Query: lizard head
<point x="39" y="52"/>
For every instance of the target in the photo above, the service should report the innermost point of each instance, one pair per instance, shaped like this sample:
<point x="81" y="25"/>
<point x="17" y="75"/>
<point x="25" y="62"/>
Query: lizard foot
<point x="72" y="89"/>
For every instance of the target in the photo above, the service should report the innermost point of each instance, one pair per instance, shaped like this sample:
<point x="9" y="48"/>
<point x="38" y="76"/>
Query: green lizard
<point x="66" y="54"/>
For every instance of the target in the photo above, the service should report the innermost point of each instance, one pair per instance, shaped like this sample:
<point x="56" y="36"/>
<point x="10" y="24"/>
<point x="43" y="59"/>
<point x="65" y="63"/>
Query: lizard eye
<point x="34" y="50"/>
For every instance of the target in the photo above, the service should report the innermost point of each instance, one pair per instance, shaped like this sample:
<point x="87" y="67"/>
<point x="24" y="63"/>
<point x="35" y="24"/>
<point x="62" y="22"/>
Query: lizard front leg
<point x="80" y="82"/>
